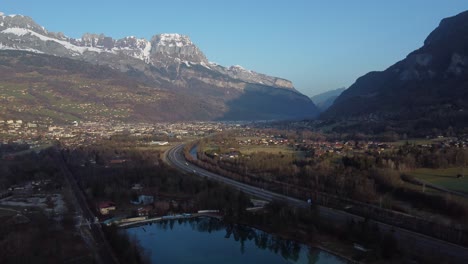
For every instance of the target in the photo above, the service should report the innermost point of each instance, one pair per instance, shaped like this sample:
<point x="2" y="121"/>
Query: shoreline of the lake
<point x="311" y="243"/>
<point x="283" y="237"/>
<point x="139" y="222"/>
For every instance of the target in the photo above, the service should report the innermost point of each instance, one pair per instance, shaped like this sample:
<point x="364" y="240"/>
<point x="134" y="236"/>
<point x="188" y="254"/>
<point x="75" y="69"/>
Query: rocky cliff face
<point x="174" y="48"/>
<point x="430" y="82"/>
<point x="172" y="61"/>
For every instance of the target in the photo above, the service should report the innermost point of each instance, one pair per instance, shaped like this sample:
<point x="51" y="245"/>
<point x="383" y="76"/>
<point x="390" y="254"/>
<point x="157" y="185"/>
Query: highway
<point x="411" y="241"/>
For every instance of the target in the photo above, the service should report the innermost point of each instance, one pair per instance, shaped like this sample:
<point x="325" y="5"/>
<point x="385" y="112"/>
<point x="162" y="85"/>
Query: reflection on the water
<point x="244" y="236"/>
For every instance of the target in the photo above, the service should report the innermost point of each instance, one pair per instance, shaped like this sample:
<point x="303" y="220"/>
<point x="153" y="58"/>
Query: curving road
<point x="409" y="241"/>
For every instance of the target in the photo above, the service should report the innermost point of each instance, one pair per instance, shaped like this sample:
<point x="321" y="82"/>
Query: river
<point x="208" y="241"/>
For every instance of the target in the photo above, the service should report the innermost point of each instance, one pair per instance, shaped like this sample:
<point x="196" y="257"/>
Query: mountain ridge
<point x="170" y="61"/>
<point x="429" y="85"/>
<point x="159" y="51"/>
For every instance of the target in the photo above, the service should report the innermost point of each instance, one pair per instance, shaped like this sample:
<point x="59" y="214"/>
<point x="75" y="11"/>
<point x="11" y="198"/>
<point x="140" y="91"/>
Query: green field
<point x="251" y="149"/>
<point x="445" y="178"/>
<point x="268" y="149"/>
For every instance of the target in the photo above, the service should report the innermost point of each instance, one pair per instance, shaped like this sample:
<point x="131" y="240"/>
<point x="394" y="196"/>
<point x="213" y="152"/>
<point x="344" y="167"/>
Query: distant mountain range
<point x="429" y="86"/>
<point x="324" y="100"/>
<point x="170" y="63"/>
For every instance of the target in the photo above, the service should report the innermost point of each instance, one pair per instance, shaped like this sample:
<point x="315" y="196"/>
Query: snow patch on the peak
<point x="77" y="50"/>
<point x="174" y="39"/>
<point x="146" y="50"/>
<point x="204" y="65"/>
<point x="5" y="47"/>
<point x="136" y="48"/>
<point x="239" y="68"/>
<point x="2" y="14"/>
<point x="16" y="31"/>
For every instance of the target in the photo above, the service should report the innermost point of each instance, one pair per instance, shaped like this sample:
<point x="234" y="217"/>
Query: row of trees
<point x="375" y="179"/>
<point x="364" y="177"/>
<point x="28" y="167"/>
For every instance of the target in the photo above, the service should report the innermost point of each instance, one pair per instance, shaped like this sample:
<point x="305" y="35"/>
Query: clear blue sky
<point x="319" y="45"/>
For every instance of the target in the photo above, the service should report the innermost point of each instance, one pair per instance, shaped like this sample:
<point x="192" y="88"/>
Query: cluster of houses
<point x="18" y="128"/>
<point x="265" y="141"/>
<point x="79" y="133"/>
<point x="33" y="186"/>
<point x="319" y="148"/>
<point x="441" y="142"/>
<point x="143" y="204"/>
<point x="315" y="147"/>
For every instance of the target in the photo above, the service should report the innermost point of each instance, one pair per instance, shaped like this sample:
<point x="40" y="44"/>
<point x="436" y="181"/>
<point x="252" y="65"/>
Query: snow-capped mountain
<point x="19" y="32"/>
<point x="171" y="61"/>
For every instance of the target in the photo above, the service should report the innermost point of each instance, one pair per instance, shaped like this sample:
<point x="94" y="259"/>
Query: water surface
<point x="209" y="241"/>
